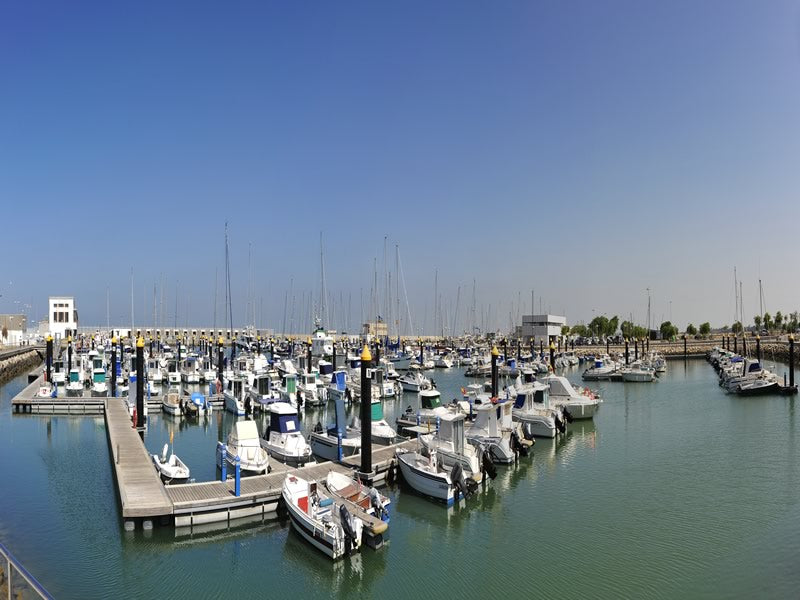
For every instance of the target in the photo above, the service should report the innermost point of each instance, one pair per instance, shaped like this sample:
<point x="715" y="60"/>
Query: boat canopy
<point x="244" y="433"/>
<point x="339" y="379"/>
<point x="377" y="411"/>
<point x="198" y="399"/>
<point x="325" y="368"/>
<point x="99" y="376"/>
<point x="291" y="383"/>
<point x="430" y="399"/>
<point x="284" y="419"/>
<point x="559" y="386"/>
<point x="74" y="375"/>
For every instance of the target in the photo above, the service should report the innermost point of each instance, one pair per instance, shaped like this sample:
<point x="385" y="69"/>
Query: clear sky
<point x="586" y="150"/>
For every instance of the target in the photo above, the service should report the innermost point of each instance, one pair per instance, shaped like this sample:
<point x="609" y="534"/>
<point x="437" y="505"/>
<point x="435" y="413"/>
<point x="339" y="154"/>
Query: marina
<point x="391" y="300"/>
<point x="207" y="508"/>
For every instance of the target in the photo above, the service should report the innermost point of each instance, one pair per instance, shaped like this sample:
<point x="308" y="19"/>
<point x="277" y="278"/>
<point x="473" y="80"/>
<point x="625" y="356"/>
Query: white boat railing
<point x="15" y="580"/>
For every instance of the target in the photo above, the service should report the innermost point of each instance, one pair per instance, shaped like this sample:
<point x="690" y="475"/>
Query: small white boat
<point x="448" y="444"/>
<point x="414" y="382"/>
<point x="170" y="403"/>
<point x="283" y="439"/>
<point x="244" y="442"/>
<point x="323" y="523"/>
<point x="236" y="399"/>
<point x="638" y="372"/>
<point x="170" y="468"/>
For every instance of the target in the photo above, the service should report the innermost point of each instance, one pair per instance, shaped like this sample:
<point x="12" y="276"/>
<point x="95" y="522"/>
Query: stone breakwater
<point x="13" y="364"/>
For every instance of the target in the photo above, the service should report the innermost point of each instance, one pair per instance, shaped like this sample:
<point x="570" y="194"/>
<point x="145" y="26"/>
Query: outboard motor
<point x="248" y="407"/>
<point x="517" y="446"/>
<point x="349" y="529"/>
<point x="391" y="474"/>
<point x="318" y="427"/>
<point x="377" y="504"/>
<point x="488" y="464"/>
<point x="457" y="477"/>
<point x="560" y="425"/>
<point x="567" y="414"/>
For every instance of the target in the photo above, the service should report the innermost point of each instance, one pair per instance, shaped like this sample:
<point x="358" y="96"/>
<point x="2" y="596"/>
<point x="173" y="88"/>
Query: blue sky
<point x="586" y="150"/>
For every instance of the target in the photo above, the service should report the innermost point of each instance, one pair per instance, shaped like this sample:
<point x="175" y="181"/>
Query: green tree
<point x="767" y="321"/>
<point x="691" y="329"/>
<point x="757" y="321"/>
<point x="668" y="330"/>
<point x="779" y="320"/>
<point x="613" y="323"/>
<point x="598" y="325"/>
<point x="580" y="330"/>
<point x="565" y="330"/>
<point x="736" y="327"/>
<point x="639" y="332"/>
<point x="5" y="332"/>
<point x="705" y="328"/>
<point x="627" y="329"/>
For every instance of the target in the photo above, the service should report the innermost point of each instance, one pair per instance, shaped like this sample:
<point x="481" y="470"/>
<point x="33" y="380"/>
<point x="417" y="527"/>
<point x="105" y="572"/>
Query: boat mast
<point x="131" y="301"/>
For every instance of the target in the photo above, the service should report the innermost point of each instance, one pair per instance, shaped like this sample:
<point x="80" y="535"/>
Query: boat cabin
<point x="430" y="399"/>
<point x="282" y="418"/>
<point x="451" y="428"/>
<point x="235" y="387"/>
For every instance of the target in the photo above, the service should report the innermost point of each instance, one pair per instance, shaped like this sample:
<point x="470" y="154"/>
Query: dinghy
<point x="172" y="468"/>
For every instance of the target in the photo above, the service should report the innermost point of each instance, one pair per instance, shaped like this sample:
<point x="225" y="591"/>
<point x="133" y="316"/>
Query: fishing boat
<point x="448" y="444"/>
<point x="197" y="406"/>
<point x="382" y="432"/>
<point x="491" y="430"/>
<point x="414" y="382"/>
<point x="638" y="372"/>
<point x="767" y="384"/>
<point x="99" y="385"/>
<point x="323" y="523"/>
<point x="173" y="372"/>
<point x="190" y="371"/>
<point x="75" y="383"/>
<point x="235" y="394"/>
<point x="58" y="374"/>
<point x="337" y="440"/>
<point x="427" y="477"/>
<point x="283" y="439"/>
<point x="170" y="468"/>
<point x="574" y="405"/>
<point x="154" y="371"/>
<point x="603" y="368"/>
<point x="244" y="442"/>
<point x="533" y="411"/>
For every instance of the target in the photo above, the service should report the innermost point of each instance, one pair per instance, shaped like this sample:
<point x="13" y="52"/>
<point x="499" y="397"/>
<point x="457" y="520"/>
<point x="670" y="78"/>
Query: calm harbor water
<point x="676" y="489"/>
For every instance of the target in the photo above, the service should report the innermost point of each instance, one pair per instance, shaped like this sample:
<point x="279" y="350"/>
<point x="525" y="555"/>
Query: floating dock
<point x="143" y="497"/>
<point x="141" y="493"/>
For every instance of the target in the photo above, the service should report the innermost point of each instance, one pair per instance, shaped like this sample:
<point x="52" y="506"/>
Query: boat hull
<point x="428" y="484"/>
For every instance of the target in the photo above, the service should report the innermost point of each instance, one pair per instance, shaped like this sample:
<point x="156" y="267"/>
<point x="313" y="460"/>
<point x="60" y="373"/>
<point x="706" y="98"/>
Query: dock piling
<point x="223" y="461"/>
<point x="494" y="371"/>
<point x="758" y="348"/>
<point x="627" y="355"/>
<point x="366" y="414"/>
<point x="114" y="367"/>
<point x="237" y="489"/>
<point x="791" y="361"/>
<point x="49" y="359"/>
<point x="140" y="383"/>
<point x="552" y="356"/>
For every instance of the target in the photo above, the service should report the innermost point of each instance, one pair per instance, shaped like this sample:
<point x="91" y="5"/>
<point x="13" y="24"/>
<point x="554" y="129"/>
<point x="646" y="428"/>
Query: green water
<point x="675" y="490"/>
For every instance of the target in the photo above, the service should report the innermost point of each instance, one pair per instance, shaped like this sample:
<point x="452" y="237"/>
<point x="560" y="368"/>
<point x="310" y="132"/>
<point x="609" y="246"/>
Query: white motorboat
<point x="337" y="388"/>
<point x="603" y="368"/>
<point x="173" y="372"/>
<point x="573" y="404"/>
<point x="154" y="372"/>
<point x="244" y="442"/>
<point x="493" y="432"/>
<point x="638" y="372"/>
<point x="338" y="440"/>
<point x="427" y="477"/>
<point x="235" y="394"/>
<point x="323" y="523"/>
<point x="75" y="383"/>
<point x="443" y="361"/>
<point x="190" y="372"/>
<point x="448" y="444"/>
<point x="533" y="411"/>
<point x="283" y="439"/>
<point x="99" y="385"/>
<point x="313" y="389"/>
<point x="170" y="403"/>
<point x="414" y="382"/>
<point x="170" y="468"/>
<point x="58" y="374"/>
<point x="382" y="432"/>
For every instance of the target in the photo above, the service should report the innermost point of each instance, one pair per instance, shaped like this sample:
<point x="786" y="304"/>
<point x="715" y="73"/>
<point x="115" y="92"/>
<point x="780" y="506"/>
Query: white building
<point x="12" y="329"/>
<point x="63" y="316"/>
<point x="541" y="328"/>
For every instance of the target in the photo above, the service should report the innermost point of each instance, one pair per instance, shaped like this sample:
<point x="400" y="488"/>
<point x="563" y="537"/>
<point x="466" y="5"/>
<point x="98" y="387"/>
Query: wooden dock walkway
<point x="214" y="501"/>
<point x="141" y="493"/>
